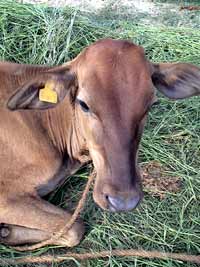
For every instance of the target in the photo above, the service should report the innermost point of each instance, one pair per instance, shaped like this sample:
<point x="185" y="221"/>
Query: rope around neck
<point x="92" y="255"/>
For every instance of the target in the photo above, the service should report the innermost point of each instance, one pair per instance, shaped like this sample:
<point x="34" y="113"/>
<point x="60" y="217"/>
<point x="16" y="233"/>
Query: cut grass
<point x="42" y="35"/>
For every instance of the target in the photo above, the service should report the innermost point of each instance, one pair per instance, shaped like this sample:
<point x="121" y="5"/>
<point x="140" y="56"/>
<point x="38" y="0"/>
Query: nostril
<point x="107" y="197"/>
<point x="122" y="204"/>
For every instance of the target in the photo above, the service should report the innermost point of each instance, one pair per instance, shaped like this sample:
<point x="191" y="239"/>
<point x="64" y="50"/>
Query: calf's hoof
<point x="4" y="232"/>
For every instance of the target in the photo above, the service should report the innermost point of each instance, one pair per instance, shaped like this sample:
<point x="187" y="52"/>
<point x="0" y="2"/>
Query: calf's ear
<point x="44" y="91"/>
<point x="176" y="80"/>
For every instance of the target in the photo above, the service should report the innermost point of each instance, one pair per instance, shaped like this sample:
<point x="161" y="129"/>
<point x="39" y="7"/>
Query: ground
<point x="149" y="12"/>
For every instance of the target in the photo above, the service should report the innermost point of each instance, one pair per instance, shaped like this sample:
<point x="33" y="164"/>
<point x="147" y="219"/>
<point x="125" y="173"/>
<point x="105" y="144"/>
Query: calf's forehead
<point x="117" y="72"/>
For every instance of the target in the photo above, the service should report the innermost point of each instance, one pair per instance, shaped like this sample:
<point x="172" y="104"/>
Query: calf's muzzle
<point x="117" y="196"/>
<point x="120" y="203"/>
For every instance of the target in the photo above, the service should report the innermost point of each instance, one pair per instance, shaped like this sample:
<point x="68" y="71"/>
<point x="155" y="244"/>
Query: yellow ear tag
<point x="47" y="94"/>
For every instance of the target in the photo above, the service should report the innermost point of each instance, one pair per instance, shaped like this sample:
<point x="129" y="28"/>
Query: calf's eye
<point x="83" y="105"/>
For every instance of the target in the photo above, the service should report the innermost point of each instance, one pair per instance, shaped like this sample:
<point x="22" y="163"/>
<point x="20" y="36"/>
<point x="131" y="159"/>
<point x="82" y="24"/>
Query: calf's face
<point x="114" y="96"/>
<point x="114" y="91"/>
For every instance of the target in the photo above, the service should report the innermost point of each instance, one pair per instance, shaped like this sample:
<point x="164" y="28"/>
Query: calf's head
<point x="111" y="85"/>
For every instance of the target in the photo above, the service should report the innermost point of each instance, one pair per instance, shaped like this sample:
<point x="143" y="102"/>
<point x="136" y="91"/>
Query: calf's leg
<point x="29" y="219"/>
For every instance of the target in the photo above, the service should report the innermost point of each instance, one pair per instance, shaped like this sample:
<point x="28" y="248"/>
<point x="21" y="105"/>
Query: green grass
<point x="42" y="35"/>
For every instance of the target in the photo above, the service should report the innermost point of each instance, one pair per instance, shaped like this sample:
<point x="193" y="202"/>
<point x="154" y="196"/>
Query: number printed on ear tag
<point x="47" y="94"/>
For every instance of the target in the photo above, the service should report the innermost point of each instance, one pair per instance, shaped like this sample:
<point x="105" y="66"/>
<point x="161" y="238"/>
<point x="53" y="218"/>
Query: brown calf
<point x="103" y="97"/>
